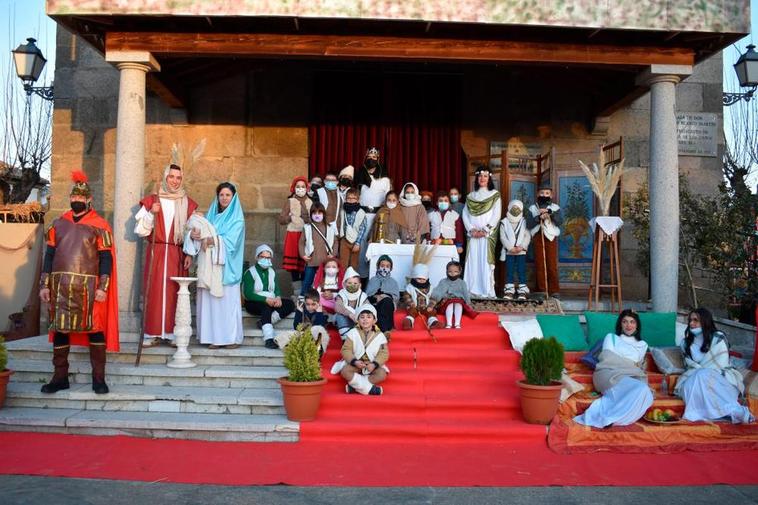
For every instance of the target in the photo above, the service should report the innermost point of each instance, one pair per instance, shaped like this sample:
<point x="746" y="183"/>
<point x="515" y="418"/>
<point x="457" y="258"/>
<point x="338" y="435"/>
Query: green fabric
<point x="478" y="208"/>
<point x="599" y="324"/>
<point x="565" y="329"/>
<point x="248" y="285"/>
<point x="658" y="328"/>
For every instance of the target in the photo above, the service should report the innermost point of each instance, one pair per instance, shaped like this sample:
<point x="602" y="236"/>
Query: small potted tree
<point x="542" y="364"/>
<point x="302" y="387"/>
<point x="5" y="374"/>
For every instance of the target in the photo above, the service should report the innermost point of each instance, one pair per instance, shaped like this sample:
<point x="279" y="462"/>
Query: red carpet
<point x="461" y="388"/>
<point x="380" y="464"/>
<point x="453" y="420"/>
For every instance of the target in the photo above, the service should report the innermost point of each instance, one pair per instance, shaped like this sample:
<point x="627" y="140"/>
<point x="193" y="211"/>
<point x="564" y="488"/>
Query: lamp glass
<point x="29" y="61"/>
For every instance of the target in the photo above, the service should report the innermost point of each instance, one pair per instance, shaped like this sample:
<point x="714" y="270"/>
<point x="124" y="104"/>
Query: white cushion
<point x="522" y="331"/>
<point x="679" y="336"/>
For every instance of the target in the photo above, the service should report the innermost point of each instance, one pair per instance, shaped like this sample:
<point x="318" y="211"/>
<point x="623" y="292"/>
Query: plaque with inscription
<point x="697" y="133"/>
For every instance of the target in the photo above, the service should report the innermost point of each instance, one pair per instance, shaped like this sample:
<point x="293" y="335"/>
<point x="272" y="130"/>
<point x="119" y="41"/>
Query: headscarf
<point x="321" y="274"/>
<point x="514" y="220"/>
<point x="230" y="226"/>
<point x="409" y="203"/>
<point x="297" y="179"/>
<point x="180" y="198"/>
<point x="263" y="248"/>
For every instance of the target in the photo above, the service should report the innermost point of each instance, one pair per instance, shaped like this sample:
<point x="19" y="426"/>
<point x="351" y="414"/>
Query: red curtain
<point x="411" y="119"/>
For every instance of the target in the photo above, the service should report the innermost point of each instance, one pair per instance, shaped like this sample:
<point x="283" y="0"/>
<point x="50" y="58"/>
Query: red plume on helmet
<point x="79" y="176"/>
<point x="81" y="186"/>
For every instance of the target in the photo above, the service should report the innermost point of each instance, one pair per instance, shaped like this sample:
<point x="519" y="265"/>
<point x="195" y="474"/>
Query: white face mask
<point x="300" y="192"/>
<point x="411" y="197"/>
<point x="391" y="205"/>
<point x="331" y="272"/>
<point x="317" y="218"/>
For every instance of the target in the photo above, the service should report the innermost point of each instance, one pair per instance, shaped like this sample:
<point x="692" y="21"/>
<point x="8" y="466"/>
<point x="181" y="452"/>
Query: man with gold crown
<point x="171" y="208"/>
<point x="79" y="282"/>
<point x="373" y="181"/>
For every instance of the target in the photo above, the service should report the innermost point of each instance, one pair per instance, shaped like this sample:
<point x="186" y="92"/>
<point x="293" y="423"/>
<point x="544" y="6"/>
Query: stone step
<point x="216" y="376"/>
<point x="39" y="348"/>
<point x="126" y="398"/>
<point x="253" y="336"/>
<point x="217" y="427"/>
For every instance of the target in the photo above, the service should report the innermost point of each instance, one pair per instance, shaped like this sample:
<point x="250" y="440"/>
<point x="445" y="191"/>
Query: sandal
<point x="214" y="346"/>
<point x="231" y="346"/>
<point x="153" y="342"/>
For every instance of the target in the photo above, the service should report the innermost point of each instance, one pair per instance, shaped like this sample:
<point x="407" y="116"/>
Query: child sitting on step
<point x="328" y="282"/>
<point x="452" y="296"/>
<point x="364" y="355"/>
<point x="417" y="299"/>
<point x="349" y="299"/>
<point x="384" y="293"/>
<point x="515" y="237"/>
<point x="311" y="316"/>
<point x="263" y="296"/>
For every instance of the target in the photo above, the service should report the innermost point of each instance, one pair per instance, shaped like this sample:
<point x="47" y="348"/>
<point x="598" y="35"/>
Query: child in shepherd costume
<point x="349" y="299"/>
<point x="384" y="294"/>
<point x="515" y="237"/>
<point x="295" y="214"/>
<point x="328" y="282"/>
<point x="544" y="220"/>
<point x="418" y="300"/>
<point x="352" y="229"/>
<point x="451" y="295"/>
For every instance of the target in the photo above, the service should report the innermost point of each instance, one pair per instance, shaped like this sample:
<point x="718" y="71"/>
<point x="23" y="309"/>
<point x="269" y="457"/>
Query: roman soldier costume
<point x="79" y="268"/>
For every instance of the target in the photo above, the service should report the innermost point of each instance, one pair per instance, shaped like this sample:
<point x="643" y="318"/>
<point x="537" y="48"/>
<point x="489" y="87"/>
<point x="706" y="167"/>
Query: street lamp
<point x="747" y="73"/>
<point x="29" y="63"/>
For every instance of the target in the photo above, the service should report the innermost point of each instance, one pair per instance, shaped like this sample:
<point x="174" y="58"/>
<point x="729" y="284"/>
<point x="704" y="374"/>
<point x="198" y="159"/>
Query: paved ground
<point x="41" y="490"/>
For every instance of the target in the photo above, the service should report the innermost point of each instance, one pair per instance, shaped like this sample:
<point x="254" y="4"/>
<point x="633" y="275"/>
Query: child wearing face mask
<point x="418" y="300"/>
<point x="451" y="295"/>
<point x="317" y="244"/>
<point x="456" y="202"/>
<point x="352" y="228"/>
<point x="446" y="224"/>
<point x="329" y="196"/>
<point x="328" y="282"/>
<point x="515" y="237"/>
<point x="426" y="201"/>
<point x="316" y="184"/>
<point x="295" y="214"/>
<point x="416" y="229"/>
<point x="384" y="293"/>
<point x="388" y="222"/>
<point x="349" y="299"/>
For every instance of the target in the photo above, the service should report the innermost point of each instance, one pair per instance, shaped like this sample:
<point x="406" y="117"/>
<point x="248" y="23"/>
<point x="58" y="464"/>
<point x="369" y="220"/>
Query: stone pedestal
<point x="183" y="328"/>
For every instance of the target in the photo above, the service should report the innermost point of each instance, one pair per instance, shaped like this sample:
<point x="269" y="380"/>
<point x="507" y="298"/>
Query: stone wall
<point x="255" y="126"/>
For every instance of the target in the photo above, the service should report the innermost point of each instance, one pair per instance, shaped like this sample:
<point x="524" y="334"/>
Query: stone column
<point x="663" y="182"/>
<point x="129" y="176"/>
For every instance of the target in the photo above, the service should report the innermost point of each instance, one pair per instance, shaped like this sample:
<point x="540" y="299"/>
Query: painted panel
<point x="575" y="199"/>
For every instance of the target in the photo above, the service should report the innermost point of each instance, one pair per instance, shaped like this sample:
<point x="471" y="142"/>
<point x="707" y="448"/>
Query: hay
<point x="604" y="180"/>
<point x="21" y="212"/>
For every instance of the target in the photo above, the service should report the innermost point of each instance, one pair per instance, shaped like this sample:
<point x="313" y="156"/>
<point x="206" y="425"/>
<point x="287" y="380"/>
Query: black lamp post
<point x="29" y="63"/>
<point x="747" y="73"/>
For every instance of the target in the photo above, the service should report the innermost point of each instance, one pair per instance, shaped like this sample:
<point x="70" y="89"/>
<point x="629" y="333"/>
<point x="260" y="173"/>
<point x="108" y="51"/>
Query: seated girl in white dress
<point x="619" y="376"/>
<point x="710" y="386"/>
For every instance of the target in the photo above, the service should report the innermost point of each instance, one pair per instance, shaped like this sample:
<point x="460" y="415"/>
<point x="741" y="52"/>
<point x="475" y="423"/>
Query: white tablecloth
<point x="402" y="260"/>
<point x="609" y="224"/>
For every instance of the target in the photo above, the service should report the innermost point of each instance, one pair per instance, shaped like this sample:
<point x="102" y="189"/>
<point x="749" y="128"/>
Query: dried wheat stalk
<point x="604" y="180"/>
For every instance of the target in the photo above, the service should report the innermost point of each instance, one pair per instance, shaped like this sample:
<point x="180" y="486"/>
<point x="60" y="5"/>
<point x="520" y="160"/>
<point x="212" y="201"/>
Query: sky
<point x="26" y="18"/>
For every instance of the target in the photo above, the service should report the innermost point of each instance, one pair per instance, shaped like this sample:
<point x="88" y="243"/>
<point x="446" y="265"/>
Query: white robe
<point x="628" y="400"/>
<point x="210" y="262"/>
<point x="371" y="196"/>
<point x="143" y="228"/>
<point x="219" y="320"/>
<point x="706" y="392"/>
<point x="479" y="272"/>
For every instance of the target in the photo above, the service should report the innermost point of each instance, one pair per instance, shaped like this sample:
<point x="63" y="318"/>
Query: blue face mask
<point x="264" y="262"/>
<point x="696" y="331"/>
<point x="443" y="206"/>
<point x="330" y="185"/>
<point x="454" y="198"/>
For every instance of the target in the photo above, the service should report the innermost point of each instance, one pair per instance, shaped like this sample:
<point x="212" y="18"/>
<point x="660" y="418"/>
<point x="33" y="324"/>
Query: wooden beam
<point x="157" y="86"/>
<point x="390" y="48"/>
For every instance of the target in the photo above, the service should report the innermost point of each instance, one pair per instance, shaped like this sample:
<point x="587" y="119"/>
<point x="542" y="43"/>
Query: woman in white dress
<point x="219" y="319"/>
<point x="710" y="387"/>
<point x="481" y="217"/>
<point x="620" y="378"/>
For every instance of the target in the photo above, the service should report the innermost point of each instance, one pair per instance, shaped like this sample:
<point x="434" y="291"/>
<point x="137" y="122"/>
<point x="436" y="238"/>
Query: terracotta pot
<point x="539" y="403"/>
<point x="5" y="376"/>
<point x="301" y="399"/>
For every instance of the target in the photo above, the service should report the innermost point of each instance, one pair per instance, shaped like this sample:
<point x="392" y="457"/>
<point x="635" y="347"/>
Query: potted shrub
<point x="302" y="387"/>
<point x="5" y="374"/>
<point x="542" y="364"/>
